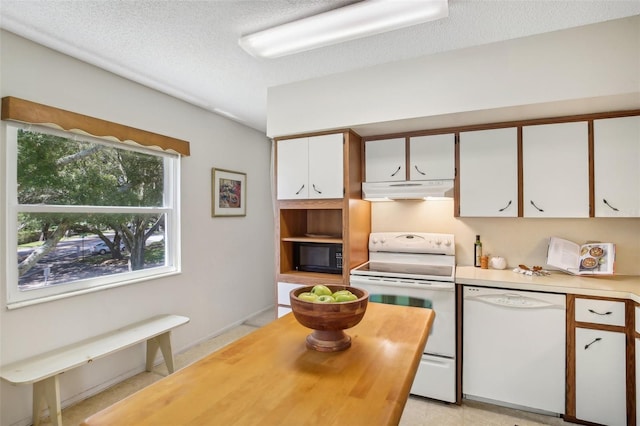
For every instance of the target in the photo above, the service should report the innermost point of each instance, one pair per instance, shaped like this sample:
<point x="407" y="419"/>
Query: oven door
<point x="439" y="296"/>
<point x="436" y="375"/>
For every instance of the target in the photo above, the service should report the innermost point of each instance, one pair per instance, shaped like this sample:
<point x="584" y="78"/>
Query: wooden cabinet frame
<point x="348" y="218"/>
<point x="628" y="329"/>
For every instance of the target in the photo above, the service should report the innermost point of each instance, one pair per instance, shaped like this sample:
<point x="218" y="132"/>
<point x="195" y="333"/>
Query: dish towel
<point x="391" y="299"/>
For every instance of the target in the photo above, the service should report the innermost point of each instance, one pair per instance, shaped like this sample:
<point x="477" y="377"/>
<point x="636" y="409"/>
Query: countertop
<point x="615" y="286"/>
<point x="269" y="377"/>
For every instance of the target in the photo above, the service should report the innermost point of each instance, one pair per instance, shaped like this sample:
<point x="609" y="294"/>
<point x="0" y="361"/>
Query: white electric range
<point x="418" y="269"/>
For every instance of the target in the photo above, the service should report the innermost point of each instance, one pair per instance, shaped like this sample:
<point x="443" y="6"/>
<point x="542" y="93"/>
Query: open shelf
<point x="310" y="278"/>
<point x="313" y="239"/>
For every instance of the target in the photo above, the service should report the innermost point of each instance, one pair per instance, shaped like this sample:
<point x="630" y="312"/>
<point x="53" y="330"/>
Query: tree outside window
<point x="89" y="211"/>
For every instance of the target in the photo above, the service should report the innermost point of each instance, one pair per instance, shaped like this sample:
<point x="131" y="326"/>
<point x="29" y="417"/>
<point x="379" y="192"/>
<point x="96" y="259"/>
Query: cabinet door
<point x="489" y="173"/>
<point x="284" y="304"/>
<point x="432" y="157"/>
<point x="385" y="160"/>
<point x="326" y="166"/>
<point x="556" y="170"/>
<point x="293" y="169"/>
<point x="637" y="381"/>
<point x="617" y="166"/>
<point x="601" y="376"/>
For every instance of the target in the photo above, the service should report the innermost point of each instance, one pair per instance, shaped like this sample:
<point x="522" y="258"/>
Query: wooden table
<point x="269" y="377"/>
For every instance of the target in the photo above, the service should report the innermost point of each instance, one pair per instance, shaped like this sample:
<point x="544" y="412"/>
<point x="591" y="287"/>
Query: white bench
<point x="43" y="370"/>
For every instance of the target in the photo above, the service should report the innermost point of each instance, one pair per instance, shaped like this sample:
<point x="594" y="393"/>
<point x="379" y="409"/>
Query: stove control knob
<point x="374" y="240"/>
<point x="382" y="241"/>
<point x="447" y="243"/>
<point x="438" y="242"/>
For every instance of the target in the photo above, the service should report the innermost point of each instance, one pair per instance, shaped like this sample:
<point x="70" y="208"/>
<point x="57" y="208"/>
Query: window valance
<point x="22" y="111"/>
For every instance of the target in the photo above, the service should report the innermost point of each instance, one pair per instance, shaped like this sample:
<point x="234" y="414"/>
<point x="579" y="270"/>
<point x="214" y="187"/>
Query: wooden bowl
<point x="328" y="320"/>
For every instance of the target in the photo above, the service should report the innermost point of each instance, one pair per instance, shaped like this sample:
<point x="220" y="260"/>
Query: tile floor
<point x="418" y="411"/>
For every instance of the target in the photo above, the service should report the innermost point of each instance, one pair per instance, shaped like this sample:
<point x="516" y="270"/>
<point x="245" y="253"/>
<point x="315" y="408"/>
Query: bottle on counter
<point x="477" y="252"/>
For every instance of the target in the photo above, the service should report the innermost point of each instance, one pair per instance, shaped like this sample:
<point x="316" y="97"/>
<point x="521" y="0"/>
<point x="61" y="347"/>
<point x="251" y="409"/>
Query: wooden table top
<point x="269" y="377"/>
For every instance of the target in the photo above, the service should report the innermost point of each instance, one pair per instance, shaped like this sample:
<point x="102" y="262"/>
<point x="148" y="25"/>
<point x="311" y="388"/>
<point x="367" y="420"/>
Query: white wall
<point x="593" y="68"/>
<point x="595" y="65"/>
<point x="227" y="263"/>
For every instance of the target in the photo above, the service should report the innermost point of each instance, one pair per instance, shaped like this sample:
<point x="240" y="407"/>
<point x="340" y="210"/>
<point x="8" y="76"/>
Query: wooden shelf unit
<point x="344" y="220"/>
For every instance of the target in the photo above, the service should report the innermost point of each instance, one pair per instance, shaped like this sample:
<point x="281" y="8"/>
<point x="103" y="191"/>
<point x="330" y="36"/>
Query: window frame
<point x="16" y="298"/>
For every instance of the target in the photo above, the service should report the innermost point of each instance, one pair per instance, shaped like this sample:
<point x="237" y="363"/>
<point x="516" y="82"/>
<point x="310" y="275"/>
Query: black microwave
<point x="317" y="257"/>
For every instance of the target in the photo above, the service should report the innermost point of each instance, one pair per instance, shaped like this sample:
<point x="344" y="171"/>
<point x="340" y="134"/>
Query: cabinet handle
<point x="419" y="171"/>
<point x="396" y="172"/>
<point x="612" y="208"/>
<point x="534" y="205"/>
<point x="505" y="207"/>
<point x="316" y="189"/>
<point x="300" y="190"/>
<point x="598" y="313"/>
<point x="597" y="339"/>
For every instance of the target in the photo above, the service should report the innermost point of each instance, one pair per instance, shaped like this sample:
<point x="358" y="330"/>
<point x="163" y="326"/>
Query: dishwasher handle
<point x="513" y="300"/>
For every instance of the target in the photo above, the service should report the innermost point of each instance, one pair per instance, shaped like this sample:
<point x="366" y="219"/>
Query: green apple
<point x="321" y="290"/>
<point x="346" y="297"/>
<point x="339" y="292"/>
<point x="325" y="298"/>
<point x="308" y="296"/>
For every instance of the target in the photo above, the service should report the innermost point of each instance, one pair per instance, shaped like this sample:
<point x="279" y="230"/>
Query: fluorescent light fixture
<point x="357" y="20"/>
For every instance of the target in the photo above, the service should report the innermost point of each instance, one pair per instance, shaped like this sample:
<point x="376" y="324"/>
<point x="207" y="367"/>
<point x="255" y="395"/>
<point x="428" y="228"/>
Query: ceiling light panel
<point x="358" y="20"/>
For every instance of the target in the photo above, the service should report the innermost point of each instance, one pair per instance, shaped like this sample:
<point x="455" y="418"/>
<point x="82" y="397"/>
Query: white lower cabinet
<point x="601" y="376"/>
<point x="284" y="304"/>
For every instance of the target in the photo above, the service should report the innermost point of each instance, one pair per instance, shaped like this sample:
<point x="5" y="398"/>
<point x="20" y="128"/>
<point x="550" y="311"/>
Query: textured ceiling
<point x="189" y="49"/>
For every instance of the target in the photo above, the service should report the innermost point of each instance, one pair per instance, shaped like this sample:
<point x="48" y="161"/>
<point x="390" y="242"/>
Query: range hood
<point x="407" y="190"/>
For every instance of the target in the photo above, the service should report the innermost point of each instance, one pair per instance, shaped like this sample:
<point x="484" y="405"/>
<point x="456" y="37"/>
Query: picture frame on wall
<point x="228" y="193"/>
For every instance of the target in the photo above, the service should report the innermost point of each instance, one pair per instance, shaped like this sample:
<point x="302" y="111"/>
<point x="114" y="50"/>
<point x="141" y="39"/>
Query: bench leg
<point x="163" y="342"/>
<point x="47" y="392"/>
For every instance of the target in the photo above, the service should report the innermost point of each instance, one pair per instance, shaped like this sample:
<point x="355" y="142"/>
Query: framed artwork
<point x="228" y="193"/>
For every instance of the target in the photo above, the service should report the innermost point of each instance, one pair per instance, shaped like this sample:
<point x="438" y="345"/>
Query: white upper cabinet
<point x="310" y="167"/>
<point x="489" y="173"/>
<point x="385" y="160"/>
<point x="293" y="169"/>
<point x="617" y="167"/>
<point x="432" y="157"/>
<point x="556" y="170"/>
<point x="326" y="166"/>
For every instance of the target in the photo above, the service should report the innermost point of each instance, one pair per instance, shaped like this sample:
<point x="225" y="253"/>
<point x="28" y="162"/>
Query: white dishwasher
<point x="513" y="348"/>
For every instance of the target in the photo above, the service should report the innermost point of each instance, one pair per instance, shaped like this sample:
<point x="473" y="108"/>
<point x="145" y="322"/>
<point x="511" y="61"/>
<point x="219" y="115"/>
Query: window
<point x="86" y="214"/>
